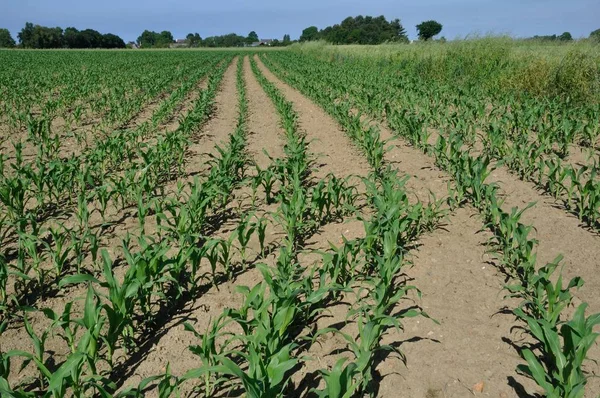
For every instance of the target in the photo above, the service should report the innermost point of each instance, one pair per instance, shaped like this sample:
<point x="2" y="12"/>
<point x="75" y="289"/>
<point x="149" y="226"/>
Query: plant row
<point x="120" y="171"/>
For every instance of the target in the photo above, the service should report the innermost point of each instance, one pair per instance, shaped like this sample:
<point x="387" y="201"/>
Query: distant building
<point x="180" y="43"/>
<point x="263" y="42"/>
<point x="132" y="45"/>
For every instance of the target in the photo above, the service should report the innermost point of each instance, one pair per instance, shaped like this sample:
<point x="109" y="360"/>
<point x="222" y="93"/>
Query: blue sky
<point x="274" y="18"/>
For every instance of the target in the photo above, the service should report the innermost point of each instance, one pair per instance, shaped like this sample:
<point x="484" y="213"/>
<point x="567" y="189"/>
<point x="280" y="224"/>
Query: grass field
<point x="334" y="221"/>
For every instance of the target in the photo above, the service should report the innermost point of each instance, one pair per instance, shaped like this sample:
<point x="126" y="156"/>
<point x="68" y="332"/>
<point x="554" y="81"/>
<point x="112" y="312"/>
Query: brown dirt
<point x="264" y="130"/>
<point x="464" y="293"/>
<point x="580" y="156"/>
<point x="335" y="151"/>
<point x="219" y="126"/>
<point x="462" y="290"/>
<point x="557" y="231"/>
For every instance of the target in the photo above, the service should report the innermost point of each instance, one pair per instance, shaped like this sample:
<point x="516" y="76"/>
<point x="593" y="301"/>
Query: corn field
<point x="291" y="223"/>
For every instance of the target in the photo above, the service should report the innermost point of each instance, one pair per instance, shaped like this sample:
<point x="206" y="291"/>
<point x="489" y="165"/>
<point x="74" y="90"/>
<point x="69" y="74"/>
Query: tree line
<point x="352" y="30"/>
<point x="377" y="30"/>
<point x="566" y="36"/>
<point x="37" y="36"/>
<point x="369" y="30"/>
<point x="358" y="30"/>
<point x="150" y="39"/>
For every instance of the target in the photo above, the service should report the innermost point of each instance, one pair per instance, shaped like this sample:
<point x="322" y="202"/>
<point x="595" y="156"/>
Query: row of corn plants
<point x="87" y="180"/>
<point x="556" y="363"/>
<point x="276" y="311"/>
<point x="79" y="88"/>
<point x="117" y="313"/>
<point x="532" y="138"/>
<point x="374" y="265"/>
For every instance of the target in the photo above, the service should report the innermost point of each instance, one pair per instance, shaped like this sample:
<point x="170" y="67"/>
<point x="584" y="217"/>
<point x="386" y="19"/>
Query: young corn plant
<point x="586" y="194"/>
<point x="558" y="369"/>
<point x="267" y="352"/>
<point x="209" y="352"/>
<point x="79" y="373"/>
<point x="38" y="357"/>
<point x="59" y="251"/>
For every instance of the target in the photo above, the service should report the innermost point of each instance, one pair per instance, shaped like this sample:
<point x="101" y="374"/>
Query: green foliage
<point x="359" y="30"/>
<point x="194" y="40"/>
<point x="90" y="38"/>
<point x="150" y="39"/>
<point x="500" y="66"/>
<point x="252" y="37"/>
<point x="36" y="36"/>
<point x="428" y="29"/>
<point x="6" y="40"/>
<point x="229" y="40"/>
<point x="566" y="36"/>
<point x="310" y="34"/>
<point x="595" y="35"/>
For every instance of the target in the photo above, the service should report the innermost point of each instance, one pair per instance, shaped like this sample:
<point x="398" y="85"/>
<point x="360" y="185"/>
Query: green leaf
<point x="79" y="278"/>
<point x="536" y="371"/>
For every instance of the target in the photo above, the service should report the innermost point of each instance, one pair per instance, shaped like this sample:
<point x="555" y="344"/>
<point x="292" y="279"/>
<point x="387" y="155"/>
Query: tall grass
<point x="499" y="65"/>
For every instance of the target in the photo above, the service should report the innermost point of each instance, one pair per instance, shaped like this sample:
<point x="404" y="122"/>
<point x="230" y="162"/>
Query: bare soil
<point x="335" y="151"/>
<point x="266" y="136"/>
<point x="221" y="124"/>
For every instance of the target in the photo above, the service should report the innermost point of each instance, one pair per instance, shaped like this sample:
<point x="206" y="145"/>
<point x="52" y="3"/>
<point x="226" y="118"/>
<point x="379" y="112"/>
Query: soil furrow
<point x="264" y="130"/>
<point x="222" y="123"/>
<point x="462" y="291"/>
<point x="557" y="231"/>
<point x="336" y="154"/>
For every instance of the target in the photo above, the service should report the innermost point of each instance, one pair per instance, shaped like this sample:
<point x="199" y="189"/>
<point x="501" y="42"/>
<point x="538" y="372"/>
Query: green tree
<point x="545" y="37"/>
<point x="428" y="29"/>
<point x="252" y="37"/>
<point x="72" y="38"/>
<point x="286" y="40"/>
<point x="194" y="39"/>
<point x="6" y="40"/>
<point x="595" y="35"/>
<point x="309" y="34"/>
<point x="91" y="38"/>
<point x="25" y="36"/>
<point x="112" y="41"/>
<point x="565" y="37"/>
<point x="166" y="38"/>
<point x="149" y="39"/>
<point x="229" y="40"/>
<point x="36" y="36"/>
<point x="365" y="30"/>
